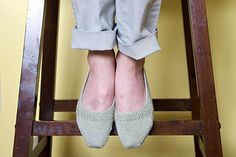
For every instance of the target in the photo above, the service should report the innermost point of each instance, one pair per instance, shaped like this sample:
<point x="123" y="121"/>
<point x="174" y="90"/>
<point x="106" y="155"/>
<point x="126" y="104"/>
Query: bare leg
<point x="129" y="83"/>
<point x="99" y="90"/>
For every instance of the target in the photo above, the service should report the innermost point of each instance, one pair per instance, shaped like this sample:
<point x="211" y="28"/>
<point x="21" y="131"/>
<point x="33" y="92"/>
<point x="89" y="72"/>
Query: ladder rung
<point x="161" y="127"/>
<point x="159" y="105"/>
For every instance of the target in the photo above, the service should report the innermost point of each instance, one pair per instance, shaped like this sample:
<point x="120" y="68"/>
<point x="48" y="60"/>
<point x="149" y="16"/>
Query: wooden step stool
<point x="41" y="36"/>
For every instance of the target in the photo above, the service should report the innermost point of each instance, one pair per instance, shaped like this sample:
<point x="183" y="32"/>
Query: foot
<point x="99" y="89"/>
<point x="129" y="83"/>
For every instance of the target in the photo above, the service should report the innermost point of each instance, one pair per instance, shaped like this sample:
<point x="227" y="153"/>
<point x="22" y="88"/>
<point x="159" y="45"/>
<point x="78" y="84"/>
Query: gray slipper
<point x="134" y="127"/>
<point x="94" y="126"/>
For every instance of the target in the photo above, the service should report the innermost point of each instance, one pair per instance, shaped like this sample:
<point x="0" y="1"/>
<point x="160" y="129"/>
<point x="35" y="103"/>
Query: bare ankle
<point x="100" y="59"/>
<point x="129" y="63"/>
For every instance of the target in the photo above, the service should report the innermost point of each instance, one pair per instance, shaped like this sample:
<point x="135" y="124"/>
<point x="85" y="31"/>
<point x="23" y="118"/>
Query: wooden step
<point x="161" y="127"/>
<point x="159" y="105"/>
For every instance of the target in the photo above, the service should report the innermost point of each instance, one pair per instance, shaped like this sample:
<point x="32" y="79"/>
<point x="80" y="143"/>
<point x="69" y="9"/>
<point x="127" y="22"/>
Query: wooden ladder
<point x="40" y="45"/>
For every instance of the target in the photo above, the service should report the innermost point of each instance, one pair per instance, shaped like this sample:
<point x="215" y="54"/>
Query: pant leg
<point x="95" y="28"/>
<point x="137" y="27"/>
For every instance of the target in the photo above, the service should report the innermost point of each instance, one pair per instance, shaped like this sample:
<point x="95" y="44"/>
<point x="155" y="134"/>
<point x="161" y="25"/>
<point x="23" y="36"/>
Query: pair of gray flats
<point x="132" y="127"/>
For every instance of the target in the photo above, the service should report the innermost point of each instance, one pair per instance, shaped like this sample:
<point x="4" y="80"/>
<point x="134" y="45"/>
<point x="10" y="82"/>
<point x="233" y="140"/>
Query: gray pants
<point x="129" y="24"/>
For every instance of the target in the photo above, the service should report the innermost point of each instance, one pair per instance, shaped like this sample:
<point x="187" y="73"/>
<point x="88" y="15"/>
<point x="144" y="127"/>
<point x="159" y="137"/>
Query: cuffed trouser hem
<point x="88" y="40"/>
<point x="141" y="48"/>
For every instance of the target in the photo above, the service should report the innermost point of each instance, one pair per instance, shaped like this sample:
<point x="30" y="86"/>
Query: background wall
<point x="166" y="70"/>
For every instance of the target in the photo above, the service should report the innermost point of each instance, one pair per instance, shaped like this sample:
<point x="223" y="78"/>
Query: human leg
<point x="95" y="31"/>
<point x="137" y="22"/>
<point x="137" y="28"/>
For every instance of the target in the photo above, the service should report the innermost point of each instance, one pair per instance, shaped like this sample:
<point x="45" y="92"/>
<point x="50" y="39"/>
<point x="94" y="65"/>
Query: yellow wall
<point x="167" y="74"/>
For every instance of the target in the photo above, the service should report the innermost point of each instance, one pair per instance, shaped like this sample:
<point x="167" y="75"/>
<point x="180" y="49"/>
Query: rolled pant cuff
<point x="88" y="40"/>
<point x="141" y="48"/>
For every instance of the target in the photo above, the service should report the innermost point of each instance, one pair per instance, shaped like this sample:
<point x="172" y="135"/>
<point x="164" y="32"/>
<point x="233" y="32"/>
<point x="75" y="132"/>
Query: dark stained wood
<point x="29" y="80"/>
<point x="191" y="74"/>
<point x="69" y="128"/>
<point x="205" y="78"/>
<point x="49" y="60"/>
<point x="48" y="75"/>
<point x="204" y="125"/>
<point x="159" y="105"/>
<point x="172" y="104"/>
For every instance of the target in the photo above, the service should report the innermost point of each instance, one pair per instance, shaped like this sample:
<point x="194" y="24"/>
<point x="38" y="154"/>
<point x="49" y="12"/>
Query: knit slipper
<point x="134" y="127"/>
<point x="94" y="126"/>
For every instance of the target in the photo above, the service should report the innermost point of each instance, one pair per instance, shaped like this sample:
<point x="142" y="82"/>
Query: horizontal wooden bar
<point x="69" y="128"/>
<point x="159" y="105"/>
